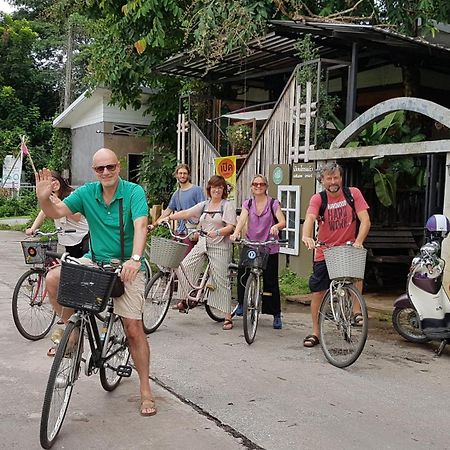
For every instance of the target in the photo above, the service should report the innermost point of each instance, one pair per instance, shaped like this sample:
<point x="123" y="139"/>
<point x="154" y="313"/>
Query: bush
<point x="17" y="206"/>
<point x="292" y="284"/>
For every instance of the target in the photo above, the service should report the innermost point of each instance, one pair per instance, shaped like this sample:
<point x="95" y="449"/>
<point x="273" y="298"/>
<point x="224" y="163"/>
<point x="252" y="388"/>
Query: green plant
<point x="61" y="144"/>
<point x="17" y="206"/>
<point x="327" y="104"/>
<point x="239" y="137"/>
<point x="292" y="284"/>
<point x="155" y="174"/>
<point x="389" y="173"/>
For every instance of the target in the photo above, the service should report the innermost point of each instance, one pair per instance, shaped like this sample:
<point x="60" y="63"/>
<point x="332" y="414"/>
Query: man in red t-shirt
<point x="337" y="227"/>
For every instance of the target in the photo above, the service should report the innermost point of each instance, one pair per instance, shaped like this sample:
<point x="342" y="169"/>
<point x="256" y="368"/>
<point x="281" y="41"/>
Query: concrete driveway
<point x="215" y="391"/>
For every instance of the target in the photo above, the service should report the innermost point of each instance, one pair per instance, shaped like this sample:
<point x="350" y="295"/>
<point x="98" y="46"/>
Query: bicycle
<point x="87" y="289"/>
<point x="32" y="312"/>
<point x="254" y="257"/>
<point x="168" y="254"/>
<point x="342" y="337"/>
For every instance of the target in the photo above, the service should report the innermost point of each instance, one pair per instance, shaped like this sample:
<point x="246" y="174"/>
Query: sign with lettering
<point x="226" y="167"/>
<point x="12" y="171"/>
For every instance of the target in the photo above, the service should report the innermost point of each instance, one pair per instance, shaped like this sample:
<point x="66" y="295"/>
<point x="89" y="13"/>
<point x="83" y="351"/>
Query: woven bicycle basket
<point x="34" y="251"/>
<point x="85" y="288"/>
<point x="345" y="262"/>
<point x="167" y="253"/>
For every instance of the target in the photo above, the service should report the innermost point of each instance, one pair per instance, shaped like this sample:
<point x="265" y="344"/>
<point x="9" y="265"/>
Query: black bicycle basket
<point x="85" y="288"/>
<point x="254" y="257"/>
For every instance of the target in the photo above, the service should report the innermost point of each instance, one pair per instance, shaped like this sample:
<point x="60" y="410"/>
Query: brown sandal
<point x="310" y="341"/>
<point x="227" y="324"/>
<point x="182" y="306"/>
<point x="148" y="404"/>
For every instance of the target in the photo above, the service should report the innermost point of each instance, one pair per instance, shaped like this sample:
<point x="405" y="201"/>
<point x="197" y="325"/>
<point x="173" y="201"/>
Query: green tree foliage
<point x="22" y="91"/>
<point x="156" y="174"/>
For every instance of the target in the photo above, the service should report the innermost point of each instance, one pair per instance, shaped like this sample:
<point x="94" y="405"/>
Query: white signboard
<point x="12" y="171"/>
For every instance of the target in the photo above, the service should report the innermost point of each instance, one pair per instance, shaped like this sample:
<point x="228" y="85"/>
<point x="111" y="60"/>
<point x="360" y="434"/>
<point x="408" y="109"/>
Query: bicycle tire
<point x="406" y="323"/>
<point x="251" y="307"/>
<point x="217" y="315"/>
<point x="158" y="295"/>
<point x="147" y="271"/>
<point x="32" y="312"/>
<point x="342" y="340"/>
<point x="63" y="375"/>
<point x="118" y="354"/>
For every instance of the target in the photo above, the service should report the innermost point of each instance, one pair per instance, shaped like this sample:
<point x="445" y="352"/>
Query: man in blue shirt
<point x="186" y="196"/>
<point x="99" y="203"/>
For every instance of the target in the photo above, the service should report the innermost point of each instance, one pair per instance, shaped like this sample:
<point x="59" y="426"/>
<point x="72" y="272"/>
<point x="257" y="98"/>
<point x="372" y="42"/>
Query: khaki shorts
<point x="131" y="304"/>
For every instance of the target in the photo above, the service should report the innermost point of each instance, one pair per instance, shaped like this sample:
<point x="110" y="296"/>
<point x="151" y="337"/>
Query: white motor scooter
<point x="422" y="314"/>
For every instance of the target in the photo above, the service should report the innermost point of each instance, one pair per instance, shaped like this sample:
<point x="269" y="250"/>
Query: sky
<point x="5" y="7"/>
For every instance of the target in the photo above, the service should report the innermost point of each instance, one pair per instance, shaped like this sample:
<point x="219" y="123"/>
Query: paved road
<point x="213" y="390"/>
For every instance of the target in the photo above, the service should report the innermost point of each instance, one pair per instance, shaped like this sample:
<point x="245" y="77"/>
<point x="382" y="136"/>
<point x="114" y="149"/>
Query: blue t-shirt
<point x="182" y="200"/>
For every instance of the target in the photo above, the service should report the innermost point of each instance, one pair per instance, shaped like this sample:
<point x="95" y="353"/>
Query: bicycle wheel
<point x="63" y="374"/>
<point x="117" y="355"/>
<point x="217" y="314"/>
<point x="31" y="309"/>
<point x="251" y="307"/>
<point x="147" y="271"/>
<point x="158" y="294"/>
<point x="342" y="338"/>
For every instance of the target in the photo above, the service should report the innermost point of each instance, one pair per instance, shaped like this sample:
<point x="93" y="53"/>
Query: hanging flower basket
<point x="240" y="138"/>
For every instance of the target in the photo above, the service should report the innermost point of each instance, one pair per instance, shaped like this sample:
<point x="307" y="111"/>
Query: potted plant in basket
<point x="240" y="138"/>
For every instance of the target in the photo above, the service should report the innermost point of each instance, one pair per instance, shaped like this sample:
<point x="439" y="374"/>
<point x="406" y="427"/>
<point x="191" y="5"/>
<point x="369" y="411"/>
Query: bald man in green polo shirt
<point x="99" y="203"/>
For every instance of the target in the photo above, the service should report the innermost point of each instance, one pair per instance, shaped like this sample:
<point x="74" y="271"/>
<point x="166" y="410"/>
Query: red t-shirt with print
<point x="338" y="226"/>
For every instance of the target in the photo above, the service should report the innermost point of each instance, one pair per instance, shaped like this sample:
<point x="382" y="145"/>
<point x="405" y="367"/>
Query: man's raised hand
<point x="43" y="184"/>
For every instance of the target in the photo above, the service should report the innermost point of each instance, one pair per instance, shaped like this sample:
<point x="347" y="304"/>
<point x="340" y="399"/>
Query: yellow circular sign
<point x="226" y="168"/>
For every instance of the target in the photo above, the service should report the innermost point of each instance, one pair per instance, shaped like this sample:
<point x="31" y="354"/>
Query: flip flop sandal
<point x="310" y="341"/>
<point x="147" y="404"/>
<point x="51" y="352"/>
<point x="182" y="307"/>
<point x="227" y="325"/>
<point x="358" y="320"/>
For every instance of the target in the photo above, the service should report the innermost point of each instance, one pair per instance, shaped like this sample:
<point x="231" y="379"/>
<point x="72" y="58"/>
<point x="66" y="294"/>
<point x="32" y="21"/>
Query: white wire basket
<point x="166" y="252"/>
<point x="345" y="262"/>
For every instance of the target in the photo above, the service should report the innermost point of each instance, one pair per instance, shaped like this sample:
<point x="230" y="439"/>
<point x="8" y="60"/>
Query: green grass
<point x="292" y="284"/>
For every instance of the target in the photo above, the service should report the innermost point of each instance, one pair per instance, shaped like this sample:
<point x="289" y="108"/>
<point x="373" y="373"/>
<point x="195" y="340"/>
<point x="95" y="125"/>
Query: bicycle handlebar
<point x="261" y="243"/>
<point x="166" y="224"/>
<point x="59" y="230"/>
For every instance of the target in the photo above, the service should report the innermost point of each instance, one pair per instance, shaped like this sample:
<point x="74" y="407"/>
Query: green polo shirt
<point x="104" y="220"/>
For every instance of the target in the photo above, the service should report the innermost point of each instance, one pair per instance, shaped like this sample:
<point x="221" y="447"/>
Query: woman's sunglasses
<point x="258" y="184"/>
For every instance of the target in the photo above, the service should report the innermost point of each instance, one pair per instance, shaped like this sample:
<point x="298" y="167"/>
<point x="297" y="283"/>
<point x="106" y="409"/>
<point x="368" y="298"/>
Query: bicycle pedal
<point x="267" y="294"/>
<point x="124" y="371"/>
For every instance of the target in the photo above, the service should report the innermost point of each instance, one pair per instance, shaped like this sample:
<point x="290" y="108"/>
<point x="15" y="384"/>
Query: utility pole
<point x="69" y="56"/>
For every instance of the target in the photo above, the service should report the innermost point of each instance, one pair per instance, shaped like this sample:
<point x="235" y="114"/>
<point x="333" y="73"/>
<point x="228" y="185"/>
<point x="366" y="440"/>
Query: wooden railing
<point x="273" y="143"/>
<point x="202" y="154"/>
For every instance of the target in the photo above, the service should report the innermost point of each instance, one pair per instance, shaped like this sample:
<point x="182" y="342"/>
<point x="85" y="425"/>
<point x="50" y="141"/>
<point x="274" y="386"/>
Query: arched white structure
<point x="433" y="110"/>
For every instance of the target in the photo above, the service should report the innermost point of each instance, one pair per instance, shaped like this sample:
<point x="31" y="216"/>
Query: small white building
<point x="94" y="124"/>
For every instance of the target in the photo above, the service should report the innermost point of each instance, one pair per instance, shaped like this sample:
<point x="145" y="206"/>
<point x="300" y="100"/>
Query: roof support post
<point x="352" y="87"/>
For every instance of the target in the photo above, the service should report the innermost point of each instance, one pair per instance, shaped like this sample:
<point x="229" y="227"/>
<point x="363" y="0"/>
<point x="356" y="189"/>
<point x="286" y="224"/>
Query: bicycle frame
<point x="334" y="288"/>
<point x="199" y="289"/>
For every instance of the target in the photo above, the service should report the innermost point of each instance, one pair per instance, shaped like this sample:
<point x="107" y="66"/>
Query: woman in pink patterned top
<point x="264" y="218"/>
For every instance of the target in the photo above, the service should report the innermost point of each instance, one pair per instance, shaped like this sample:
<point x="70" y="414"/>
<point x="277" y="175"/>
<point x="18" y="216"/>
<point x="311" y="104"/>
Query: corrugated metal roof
<point x="274" y="53"/>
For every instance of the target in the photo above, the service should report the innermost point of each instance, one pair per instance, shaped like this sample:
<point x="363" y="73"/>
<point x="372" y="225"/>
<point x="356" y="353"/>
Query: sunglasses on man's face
<point x="108" y="167"/>
<point x="258" y="184"/>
